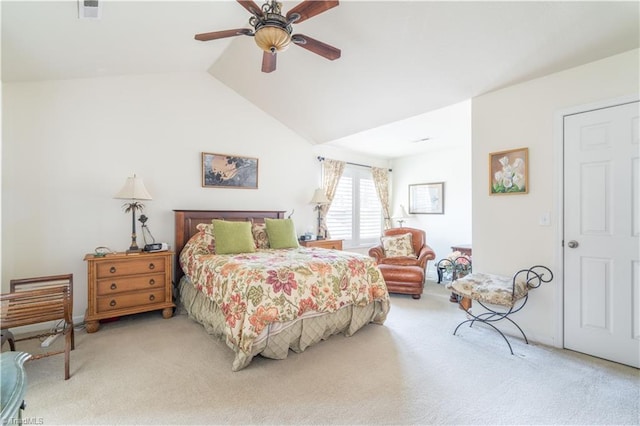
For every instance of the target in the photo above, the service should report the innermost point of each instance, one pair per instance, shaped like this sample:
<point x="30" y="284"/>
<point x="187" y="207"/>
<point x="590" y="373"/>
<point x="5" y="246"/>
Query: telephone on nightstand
<point x="307" y="236"/>
<point x="153" y="246"/>
<point x="156" y="247"/>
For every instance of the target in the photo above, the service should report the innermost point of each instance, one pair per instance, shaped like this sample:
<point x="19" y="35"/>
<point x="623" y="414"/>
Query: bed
<point x="271" y="301"/>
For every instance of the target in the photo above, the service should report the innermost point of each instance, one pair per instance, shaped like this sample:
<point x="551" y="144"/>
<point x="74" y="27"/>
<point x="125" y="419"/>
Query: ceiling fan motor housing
<point x="272" y="32"/>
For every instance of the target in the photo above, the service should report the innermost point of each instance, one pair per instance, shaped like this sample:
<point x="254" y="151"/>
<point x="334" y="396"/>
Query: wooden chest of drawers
<point x="328" y="244"/>
<point x="121" y="284"/>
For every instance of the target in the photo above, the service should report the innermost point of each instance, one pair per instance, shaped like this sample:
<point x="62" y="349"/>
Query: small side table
<point x="465" y="250"/>
<point x="7" y="336"/>
<point x="14" y="385"/>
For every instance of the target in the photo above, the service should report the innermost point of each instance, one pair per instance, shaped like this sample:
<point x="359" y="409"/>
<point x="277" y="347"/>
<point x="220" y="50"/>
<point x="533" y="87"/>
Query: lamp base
<point x="133" y="248"/>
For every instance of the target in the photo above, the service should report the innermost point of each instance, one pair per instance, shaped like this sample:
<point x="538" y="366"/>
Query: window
<point x="355" y="215"/>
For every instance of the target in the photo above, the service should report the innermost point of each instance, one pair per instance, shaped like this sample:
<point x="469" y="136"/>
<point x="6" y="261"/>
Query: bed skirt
<point x="277" y="339"/>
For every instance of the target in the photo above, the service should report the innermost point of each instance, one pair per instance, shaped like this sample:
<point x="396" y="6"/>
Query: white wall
<point x="506" y="233"/>
<point x="449" y="161"/>
<point x="68" y="147"/>
<point x="1" y="122"/>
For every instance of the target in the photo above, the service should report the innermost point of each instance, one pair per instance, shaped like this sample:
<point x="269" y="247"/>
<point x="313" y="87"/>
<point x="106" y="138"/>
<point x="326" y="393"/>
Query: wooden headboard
<point x="188" y="220"/>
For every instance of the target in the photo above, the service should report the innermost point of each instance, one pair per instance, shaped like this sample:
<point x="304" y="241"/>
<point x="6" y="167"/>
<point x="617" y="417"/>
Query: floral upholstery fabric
<point x="204" y="242"/>
<point x="259" y="231"/>
<point x="256" y="290"/>
<point x="398" y="245"/>
<point x="488" y="288"/>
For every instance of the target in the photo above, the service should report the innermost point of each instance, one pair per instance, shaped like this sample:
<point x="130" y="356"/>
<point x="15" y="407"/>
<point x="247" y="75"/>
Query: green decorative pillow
<point x="281" y="233"/>
<point x="233" y="237"/>
<point x="398" y="245"/>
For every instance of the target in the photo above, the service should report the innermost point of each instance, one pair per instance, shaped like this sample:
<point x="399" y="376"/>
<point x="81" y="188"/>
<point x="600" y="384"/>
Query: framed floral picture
<point x="426" y="198"/>
<point x="229" y="171"/>
<point x="509" y="172"/>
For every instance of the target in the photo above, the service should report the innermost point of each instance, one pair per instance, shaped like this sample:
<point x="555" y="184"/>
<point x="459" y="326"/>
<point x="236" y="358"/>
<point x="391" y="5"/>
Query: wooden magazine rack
<point x="38" y="300"/>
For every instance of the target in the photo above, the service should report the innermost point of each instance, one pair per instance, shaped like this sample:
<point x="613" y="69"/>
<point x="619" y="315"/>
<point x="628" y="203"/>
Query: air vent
<point x="89" y="9"/>
<point x="420" y="140"/>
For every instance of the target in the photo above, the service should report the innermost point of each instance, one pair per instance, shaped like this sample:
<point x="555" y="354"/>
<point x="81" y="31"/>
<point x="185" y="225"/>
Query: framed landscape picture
<point x="509" y="172"/>
<point x="229" y="171"/>
<point x="426" y="198"/>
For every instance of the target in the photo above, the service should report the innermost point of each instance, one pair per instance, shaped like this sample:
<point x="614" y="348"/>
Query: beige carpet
<point x="144" y="369"/>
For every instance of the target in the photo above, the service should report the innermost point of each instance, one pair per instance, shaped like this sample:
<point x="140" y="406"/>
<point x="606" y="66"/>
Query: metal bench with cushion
<point x="501" y="296"/>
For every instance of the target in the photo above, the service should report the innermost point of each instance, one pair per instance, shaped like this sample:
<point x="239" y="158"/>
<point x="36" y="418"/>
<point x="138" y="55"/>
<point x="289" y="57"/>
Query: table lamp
<point x="133" y="190"/>
<point x="319" y="198"/>
<point x="400" y="215"/>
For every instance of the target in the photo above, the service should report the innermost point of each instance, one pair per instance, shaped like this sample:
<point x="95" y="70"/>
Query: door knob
<point x="572" y="244"/>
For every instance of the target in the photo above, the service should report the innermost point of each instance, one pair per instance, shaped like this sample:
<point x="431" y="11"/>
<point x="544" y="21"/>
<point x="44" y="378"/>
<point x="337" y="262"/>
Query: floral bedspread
<point x="254" y="290"/>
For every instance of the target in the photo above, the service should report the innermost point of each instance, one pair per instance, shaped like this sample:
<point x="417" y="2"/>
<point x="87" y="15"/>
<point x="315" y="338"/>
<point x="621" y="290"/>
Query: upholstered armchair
<point x="402" y="258"/>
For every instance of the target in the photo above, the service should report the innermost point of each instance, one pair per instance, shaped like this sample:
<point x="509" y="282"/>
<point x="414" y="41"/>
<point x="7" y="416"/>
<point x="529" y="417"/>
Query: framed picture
<point x="229" y="171"/>
<point x="426" y="198"/>
<point x="509" y="172"/>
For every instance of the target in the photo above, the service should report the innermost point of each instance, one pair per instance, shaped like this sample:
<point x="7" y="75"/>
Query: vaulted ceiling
<point x="400" y="59"/>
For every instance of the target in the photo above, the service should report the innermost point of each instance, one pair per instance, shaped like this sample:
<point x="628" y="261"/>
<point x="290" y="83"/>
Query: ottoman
<point x="403" y="279"/>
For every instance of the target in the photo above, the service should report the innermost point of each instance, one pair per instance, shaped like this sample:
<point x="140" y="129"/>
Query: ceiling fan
<point x="272" y="30"/>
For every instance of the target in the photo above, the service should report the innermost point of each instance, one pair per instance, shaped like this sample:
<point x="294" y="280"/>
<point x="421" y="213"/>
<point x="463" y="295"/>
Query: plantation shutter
<point x="340" y="216"/>
<point x="355" y="215"/>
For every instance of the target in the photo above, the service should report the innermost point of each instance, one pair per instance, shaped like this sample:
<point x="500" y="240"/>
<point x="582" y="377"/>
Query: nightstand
<point x="123" y="284"/>
<point x="327" y="244"/>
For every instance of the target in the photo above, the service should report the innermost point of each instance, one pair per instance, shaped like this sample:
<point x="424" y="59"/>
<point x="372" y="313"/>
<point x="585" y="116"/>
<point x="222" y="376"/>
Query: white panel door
<point x="601" y="233"/>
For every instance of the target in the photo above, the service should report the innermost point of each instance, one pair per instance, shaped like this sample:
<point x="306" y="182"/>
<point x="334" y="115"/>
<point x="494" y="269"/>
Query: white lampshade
<point x="133" y="189"/>
<point x="400" y="213"/>
<point x="319" y="197"/>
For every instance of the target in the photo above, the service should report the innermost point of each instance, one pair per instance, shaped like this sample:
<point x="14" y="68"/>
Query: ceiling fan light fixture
<point x="272" y="38"/>
<point x="273" y="32"/>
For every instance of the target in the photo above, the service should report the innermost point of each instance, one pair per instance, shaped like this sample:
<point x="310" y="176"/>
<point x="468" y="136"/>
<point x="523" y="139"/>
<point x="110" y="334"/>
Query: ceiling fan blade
<point x="310" y="8"/>
<point x="268" y="62"/>
<point x="316" y="46"/>
<point x="251" y="6"/>
<point x="223" y="34"/>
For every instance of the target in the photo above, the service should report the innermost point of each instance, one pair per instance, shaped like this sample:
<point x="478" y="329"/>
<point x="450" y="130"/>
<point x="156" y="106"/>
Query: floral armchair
<point x="402" y="257"/>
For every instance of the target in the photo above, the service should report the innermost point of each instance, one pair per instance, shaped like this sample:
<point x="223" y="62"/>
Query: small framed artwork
<point x="229" y="171"/>
<point x="426" y="198"/>
<point x="509" y="172"/>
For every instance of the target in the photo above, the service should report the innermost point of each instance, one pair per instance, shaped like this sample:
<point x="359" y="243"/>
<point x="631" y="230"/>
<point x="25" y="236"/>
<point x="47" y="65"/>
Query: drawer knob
<point x="152" y="266"/>
<point x="113" y="286"/>
<point x="112" y="269"/>
<point x="152" y="281"/>
<point x="152" y="297"/>
<point x="112" y="303"/>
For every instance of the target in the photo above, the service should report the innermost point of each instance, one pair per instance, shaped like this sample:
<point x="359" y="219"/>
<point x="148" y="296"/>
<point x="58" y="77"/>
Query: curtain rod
<point x="321" y="159"/>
